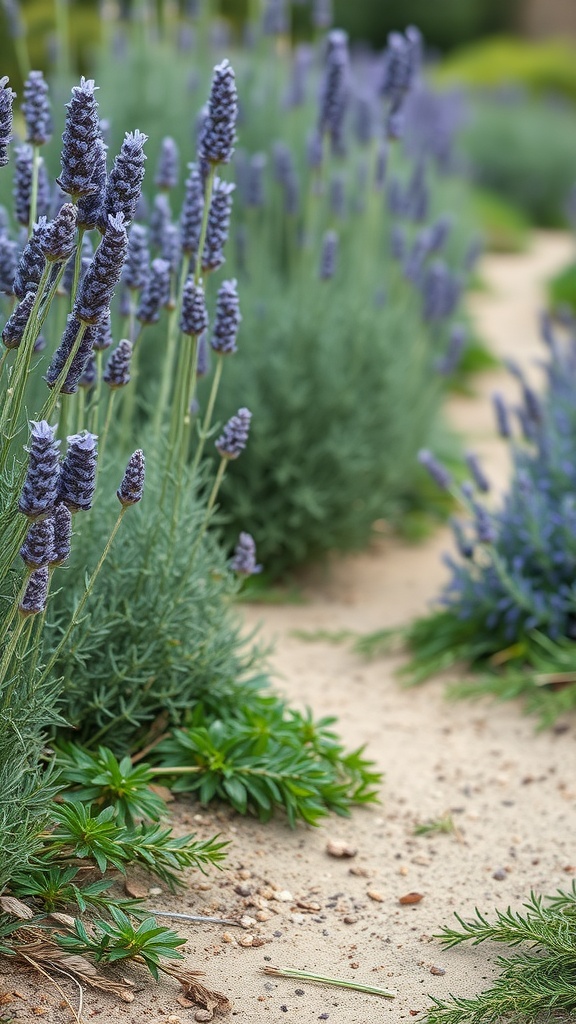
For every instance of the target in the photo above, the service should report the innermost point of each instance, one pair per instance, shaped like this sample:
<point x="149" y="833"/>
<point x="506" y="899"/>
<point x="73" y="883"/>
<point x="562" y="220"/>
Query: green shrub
<point x="543" y="68"/>
<point x="505" y="227"/>
<point x="562" y="289"/>
<point x="524" y="150"/>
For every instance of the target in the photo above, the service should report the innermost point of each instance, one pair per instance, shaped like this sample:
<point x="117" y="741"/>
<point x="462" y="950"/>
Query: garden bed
<point x="508" y="790"/>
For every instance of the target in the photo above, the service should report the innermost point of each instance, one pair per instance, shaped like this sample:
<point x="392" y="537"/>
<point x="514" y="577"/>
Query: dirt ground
<point x="510" y="790"/>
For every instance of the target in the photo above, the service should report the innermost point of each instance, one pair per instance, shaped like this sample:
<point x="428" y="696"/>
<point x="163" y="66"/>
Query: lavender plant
<point x="509" y="604"/>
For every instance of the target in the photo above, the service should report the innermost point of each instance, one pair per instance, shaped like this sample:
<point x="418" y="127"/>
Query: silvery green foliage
<point x="78" y="472"/>
<point x="6" y="118"/>
<point x="39" y="494"/>
<point x="234" y="437"/>
<point x="117" y="372"/>
<point x="36" y="109"/>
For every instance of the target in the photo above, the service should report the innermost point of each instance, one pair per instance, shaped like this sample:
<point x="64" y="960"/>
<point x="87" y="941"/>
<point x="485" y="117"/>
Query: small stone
<point x="155" y="891"/>
<point x="246" y="940"/>
<point x="350" y="919"/>
<point x="283" y="896"/>
<point x="356" y="869"/>
<point x="437" y="970"/>
<point x="243" y="890"/>
<point x="203" y="1015"/>
<point x="354" y="965"/>
<point x="263" y="915"/>
<point x="244" y="874"/>
<point x="266" y="893"/>
<point x="247" y="922"/>
<point x="137" y="890"/>
<point x="500" y="874"/>
<point x="411" y="897"/>
<point x="373" y="894"/>
<point x="338" y="848"/>
<point x="227" y="937"/>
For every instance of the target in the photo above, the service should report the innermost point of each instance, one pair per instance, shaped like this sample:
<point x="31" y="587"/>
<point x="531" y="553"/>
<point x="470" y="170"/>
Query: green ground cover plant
<point x="536" y="980"/>
<point x="508" y="609"/>
<point x="543" y="67"/>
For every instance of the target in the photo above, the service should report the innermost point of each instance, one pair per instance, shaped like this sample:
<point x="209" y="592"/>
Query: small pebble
<point x="284" y="1008"/>
<point x="437" y="970"/>
<point x="350" y="919"/>
<point x="357" y="870"/>
<point x="373" y="894"/>
<point x="246" y="940"/>
<point x="263" y="915"/>
<point x="283" y="896"/>
<point x="411" y="897"/>
<point x="500" y="874"/>
<point x="203" y="1015"/>
<point x="155" y="891"/>
<point x="247" y="922"/>
<point x="338" y="848"/>
<point x="299" y="992"/>
<point x="243" y="890"/>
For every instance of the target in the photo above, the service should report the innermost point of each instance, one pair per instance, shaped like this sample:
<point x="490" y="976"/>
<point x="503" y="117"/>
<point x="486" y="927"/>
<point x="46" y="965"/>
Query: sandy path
<point x="511" y="791"/>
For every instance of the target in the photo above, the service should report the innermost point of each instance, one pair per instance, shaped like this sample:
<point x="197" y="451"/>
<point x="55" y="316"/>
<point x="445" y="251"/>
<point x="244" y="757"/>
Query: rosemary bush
<point x="510" y="603"/>
<point x="325" y="461"/>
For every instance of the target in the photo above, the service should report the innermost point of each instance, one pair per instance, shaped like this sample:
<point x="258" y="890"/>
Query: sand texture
<point x="509" y="790"/>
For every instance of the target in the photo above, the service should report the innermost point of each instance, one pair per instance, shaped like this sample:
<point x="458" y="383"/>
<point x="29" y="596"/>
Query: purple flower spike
<point x="135" y="273"/>
<point x="203" y="360"/>
<point x="335" y="90"/>
<point x="34" y="600"/>
<point x="15" y="326"/>
<point x="502" y="415"/>
<point x="31" y="262"/>
<point x="36" y="109"/>
<point x="6" y="117"/>
<point x="167" y="169"/>
<point x="62" y="534"/>
<point x="160" y="216"/>
<point x="480" y="478"/>
<point x="89" y="377"/>
<point x="59" y="240"/>
<point x="227" y="320"/>
<point x="328" y="257"/>
<point x="102" y="335"/>
<point x="156" y="294"/>
<point x="62" y="353"/>
<point x="22" y="188"/>
<point x="124" y="184"/>
<point x="117" y="372"/>
<point x="78" y="473"/>
<point x="8" y="263"/>
<point x="218" y="225"/>
<point x="38" y="547"/>
<point x="437" y="471"/>
<point x="40" y="491"/>
<point x="244" y="559"/>
<point x="93" y="301"/>
<point x="219" y="128"/>
<point x="192" y="209"/>
<point x="81" y="138"/>
<point x="90" y="207"/>
<point x="194" y="318"/>
<point x="234" y="437"/>
<point x="132" y="486"/>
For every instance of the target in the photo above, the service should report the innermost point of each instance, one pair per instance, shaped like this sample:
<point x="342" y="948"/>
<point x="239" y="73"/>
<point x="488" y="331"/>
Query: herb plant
<point x="536" y="982"/>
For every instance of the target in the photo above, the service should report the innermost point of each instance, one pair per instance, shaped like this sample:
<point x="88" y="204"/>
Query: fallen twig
<point x="289" y="972"/>
<point x="198" y="918"/>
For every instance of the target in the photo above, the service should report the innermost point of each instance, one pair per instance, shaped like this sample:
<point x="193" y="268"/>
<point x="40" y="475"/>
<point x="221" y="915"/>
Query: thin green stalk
<point x="289" y="972"/>
<point x="15" y="604"/>
<point x="34" y="187"/>
<point x="11" y="647"/>
<point x="80" y="606"/>
<point x="77" y="267"/>
<point x="80" y="410"/>
<point x="168" y="367"/>
<point x="205" y="428"/>
<point x="95" y="402"/>
<point x="211" y="502"/>
<point x="189" y="385"/>
<point x="63" y="36"/>
<point x="106" y="430"/>
<point x="3" y="361"/>
<point x="50" y="404"/>
<point x="204" y="227"/>
<point x="63" y="412"/>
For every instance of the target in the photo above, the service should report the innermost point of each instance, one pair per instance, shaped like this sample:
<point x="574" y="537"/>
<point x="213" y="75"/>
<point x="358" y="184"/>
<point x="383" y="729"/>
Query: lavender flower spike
<point x="480" y="478"/>
<point x="93" y="302"/>
<point x="31" y="262"/>
<point x="62" y="353"/>
<point x="22" y="188"/>
<point x="40" y="491"/>
<point x="194" y="317"/>
<point x="218" y="225"/>
<point x="227" y="319"/>
<point x="59" y="240"/>
<point x="78" y="473"/>
<point x="124" y="184"/>
<point x="167" y="169"/>
<point x="117" y="372"/>
<point x="502" y="415"/>
<point x="437" y="471"/>
<point x="14" y="328"/>
<point x="38" y="547"/>
<point x="132" y="486"/>
<point x="6" y="116"/>
<point x="34" y="600"/>
<point x="62" y="534"/>
<point x="234" y="437"/>
<point x="244" y="560"/>
<point x="90" y="206"/>
<point x="216" y="144"/>
<point x="135" y="273"/>
<point x="329" y="253"/>
<point x="81" y="139"/>
<point x="36" y="109"/>
<point x="8" y="261"/>
<point x="334" y="89"/>
<point x="192" y="208"/>
<point x="156" y="294"/>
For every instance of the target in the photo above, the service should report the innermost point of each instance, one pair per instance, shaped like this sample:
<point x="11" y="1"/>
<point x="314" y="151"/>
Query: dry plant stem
<point x="33" y="963"/>
<point x="34" y="189"/>
<point x="198" y="918"/>
<point x="80" y="606"/>
<point x="288" y="972"/>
